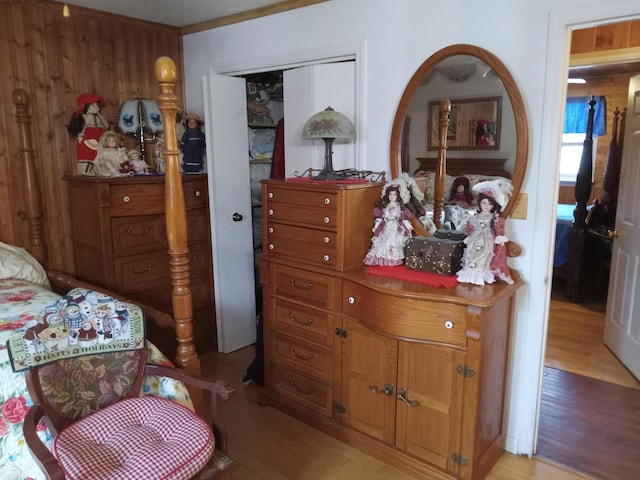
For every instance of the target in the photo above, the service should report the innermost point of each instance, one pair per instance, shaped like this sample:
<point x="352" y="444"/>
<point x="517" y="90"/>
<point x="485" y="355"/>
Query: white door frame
<point x="561" y="24"/>
<point x="354" y="50"/>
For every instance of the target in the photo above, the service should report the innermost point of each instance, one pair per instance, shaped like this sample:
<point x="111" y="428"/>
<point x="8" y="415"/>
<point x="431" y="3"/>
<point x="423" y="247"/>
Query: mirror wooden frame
<point x="517" y="104"/>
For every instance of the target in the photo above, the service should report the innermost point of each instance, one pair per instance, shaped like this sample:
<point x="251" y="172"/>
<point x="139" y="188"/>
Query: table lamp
<point x="329" y="125"/>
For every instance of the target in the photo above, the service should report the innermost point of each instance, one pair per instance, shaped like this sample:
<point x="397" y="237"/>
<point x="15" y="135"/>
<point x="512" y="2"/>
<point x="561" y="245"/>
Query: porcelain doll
<point x="87" y="125"/>
<point x="112" y="156"/>
<point x="460" y="193"/>
<point x="192" y="144"/>
<point x="392" y="227"/>
<point x="485" y="258"/>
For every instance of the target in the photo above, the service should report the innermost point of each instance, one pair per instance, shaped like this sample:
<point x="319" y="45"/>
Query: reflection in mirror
<point x="467" y="75"/>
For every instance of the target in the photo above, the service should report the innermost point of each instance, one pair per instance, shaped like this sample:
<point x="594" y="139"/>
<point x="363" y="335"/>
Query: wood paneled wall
<point x="55" y="59"/>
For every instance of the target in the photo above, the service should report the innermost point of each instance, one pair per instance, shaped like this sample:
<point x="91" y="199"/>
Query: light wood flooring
<point x="270" y="445"/>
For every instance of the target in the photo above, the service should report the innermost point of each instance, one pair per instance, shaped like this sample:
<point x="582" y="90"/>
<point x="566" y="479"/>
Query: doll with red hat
<point x="87" y="125"/>
<point x="485" y="258"/>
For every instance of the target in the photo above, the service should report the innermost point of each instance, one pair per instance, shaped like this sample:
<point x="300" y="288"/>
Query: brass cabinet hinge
<point x="341" y="332"/>
<point x="465" y="371"/>
<point x="338" y="407"/>
<point x="460" y="460"/>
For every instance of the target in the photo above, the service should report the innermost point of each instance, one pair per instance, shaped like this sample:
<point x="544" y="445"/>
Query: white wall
<point x="396" y="37"/>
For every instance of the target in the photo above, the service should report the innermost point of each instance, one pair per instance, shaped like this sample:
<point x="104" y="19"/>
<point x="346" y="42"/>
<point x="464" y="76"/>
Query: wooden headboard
<point x="460" y="166"/>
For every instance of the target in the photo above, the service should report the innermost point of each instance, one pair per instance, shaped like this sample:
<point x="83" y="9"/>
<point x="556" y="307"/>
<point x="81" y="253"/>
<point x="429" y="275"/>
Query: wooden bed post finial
<point x="33" y="201"/>
<point x="441" y="171"/>
<point x="175" y="212"/>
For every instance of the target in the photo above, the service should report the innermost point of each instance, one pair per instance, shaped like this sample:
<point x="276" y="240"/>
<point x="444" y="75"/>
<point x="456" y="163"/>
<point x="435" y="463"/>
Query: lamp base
<point x="327" y="172"/>
<point x="329" y="175"/>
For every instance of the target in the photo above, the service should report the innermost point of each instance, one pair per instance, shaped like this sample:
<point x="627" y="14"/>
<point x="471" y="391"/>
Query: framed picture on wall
<point x="474" y="124"/>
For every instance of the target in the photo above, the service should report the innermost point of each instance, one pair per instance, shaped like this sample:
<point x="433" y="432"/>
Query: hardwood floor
<point x="269" y="445"/>
<point x="590" y="400"/>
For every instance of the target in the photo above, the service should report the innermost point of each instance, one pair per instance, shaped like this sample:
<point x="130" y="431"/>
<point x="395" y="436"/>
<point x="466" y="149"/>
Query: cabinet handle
<point x="351" y="300"/>
<point x="270" y="212"/>
<point x="198" y="193"/>
<point x="307" y="357"/>
<point x="327" y="219"/>
<point x="448" y="324"/>
<point x="142" y="234"/>
<point x="301" y="322"/>
<point x="326" y="239"/>
<point x="194" y="258"/>
<point x="388" y="389"/>
<point x="195" y="292"/>
<point x="327" y="201"/>
<point x="270" y="195"/>
<point x="133" y="270"/>
<point x="402" y="396"/>
<point x="270" y="229"/>
<point x="271" y="246"/>
<point x="308" y="286"/>
<point x="326" y="258"/>
<point x="306" y="391"/>
<point x="126" y="199"/>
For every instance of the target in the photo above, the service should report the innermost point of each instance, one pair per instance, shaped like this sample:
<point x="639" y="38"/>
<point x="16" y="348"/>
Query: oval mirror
<point x="488" y="132"/>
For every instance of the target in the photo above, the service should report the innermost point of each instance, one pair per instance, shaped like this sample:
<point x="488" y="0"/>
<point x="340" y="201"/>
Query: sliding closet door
<point x="308" y="90"/>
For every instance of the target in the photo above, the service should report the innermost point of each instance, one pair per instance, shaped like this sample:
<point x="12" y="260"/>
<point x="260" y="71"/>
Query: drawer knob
<point x="198" y="193"/>
<point x="351" y="300"/>
<point x="306" y="357"/>
<point x="326" y="239"/>
<point x="327" y="219"/>
<point x="270" y="230"/>
<point x="270" y="212"/>
<point x="271" y="246"/>
<point x="270" y="195"/>
<point x="327" y="201"/>
<point x="448" y="324"/>
<point x="308" y="286"/>
<point x="300" y="322"/>
<point x="126" y="199"/>
<point x="326" y="258"/>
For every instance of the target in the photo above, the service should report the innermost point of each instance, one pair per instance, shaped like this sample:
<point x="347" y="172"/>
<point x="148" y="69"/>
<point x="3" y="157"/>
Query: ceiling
<point x="628" y="69"/>
<point x="186" y="12"/>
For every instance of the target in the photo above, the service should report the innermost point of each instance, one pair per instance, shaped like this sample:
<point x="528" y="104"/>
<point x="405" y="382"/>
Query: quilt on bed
<point x="21" y="304"/>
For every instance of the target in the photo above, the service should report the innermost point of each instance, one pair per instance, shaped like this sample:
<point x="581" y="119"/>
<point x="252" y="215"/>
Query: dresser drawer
<point x="142" y="271"/>
<point x="195" y="194"/>
<point x="404" y="317"/>
<point x="308" y="287"/>
<point x="137" y="199"/>
<point x="198" y="225"/>
<point x="160" y="297"/>
<point x="313" y="360"/>
<point x="298" y="198"/>
<point x="293" y="249"/>
<point x="318" y="217"/>
<point x="302" y="390"/>
<point x="308" y="323"/>
<point x="199" y="259"/>
<point x="138" y="234"/>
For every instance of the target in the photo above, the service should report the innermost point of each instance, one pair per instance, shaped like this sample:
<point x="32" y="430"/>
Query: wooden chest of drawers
<point x="414" y="374"/>
<point x="120" y="243"/>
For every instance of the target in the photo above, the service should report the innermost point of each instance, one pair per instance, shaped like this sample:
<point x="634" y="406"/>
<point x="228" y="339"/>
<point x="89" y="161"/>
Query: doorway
<point x="578" y="367"/>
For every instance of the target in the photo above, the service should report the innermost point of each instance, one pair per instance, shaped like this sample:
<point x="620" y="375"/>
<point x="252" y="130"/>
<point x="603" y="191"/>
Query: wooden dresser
<point x="412" y="374"/>
<point x="120" y="243"/>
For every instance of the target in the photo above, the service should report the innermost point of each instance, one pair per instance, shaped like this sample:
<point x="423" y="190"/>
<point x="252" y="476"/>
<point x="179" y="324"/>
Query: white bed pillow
<point x="16" y="262"/>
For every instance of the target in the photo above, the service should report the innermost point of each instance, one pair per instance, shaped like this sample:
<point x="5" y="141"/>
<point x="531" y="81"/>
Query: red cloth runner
<point x="400" y="272"/>
<point x="312" y="180"/>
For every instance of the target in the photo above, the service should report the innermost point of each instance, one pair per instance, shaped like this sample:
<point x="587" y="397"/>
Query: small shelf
<point x="262" y="125"/>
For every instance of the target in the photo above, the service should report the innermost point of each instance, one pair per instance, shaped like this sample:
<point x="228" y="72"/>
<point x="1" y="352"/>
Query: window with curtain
<point x="575" y="128"/>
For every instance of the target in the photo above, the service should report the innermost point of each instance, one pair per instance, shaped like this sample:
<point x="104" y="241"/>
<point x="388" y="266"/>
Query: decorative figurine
<point x="87" y="125"/>
<point x="192" y="144"/>
<point x="392" y="227"/>
<point x="485" y="258"/>
<point x="461" y="193"/>
<point x="111" y="156"/>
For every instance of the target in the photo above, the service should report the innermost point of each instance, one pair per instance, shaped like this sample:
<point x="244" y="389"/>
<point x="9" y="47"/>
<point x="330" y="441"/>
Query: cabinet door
<point x="369" y="365"/>
<point x="428" y="425"/>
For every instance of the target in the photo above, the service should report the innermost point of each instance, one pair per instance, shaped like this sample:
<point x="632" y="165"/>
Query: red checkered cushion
<point x="150" y="438"/>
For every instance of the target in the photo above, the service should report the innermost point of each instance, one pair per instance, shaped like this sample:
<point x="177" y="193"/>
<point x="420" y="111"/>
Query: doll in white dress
<point x="392" y="228"/>
<point x="111" y="156"/>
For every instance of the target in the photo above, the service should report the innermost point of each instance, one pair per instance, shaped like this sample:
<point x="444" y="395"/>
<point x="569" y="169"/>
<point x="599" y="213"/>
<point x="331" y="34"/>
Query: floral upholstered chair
<point x="104" y="430"/>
